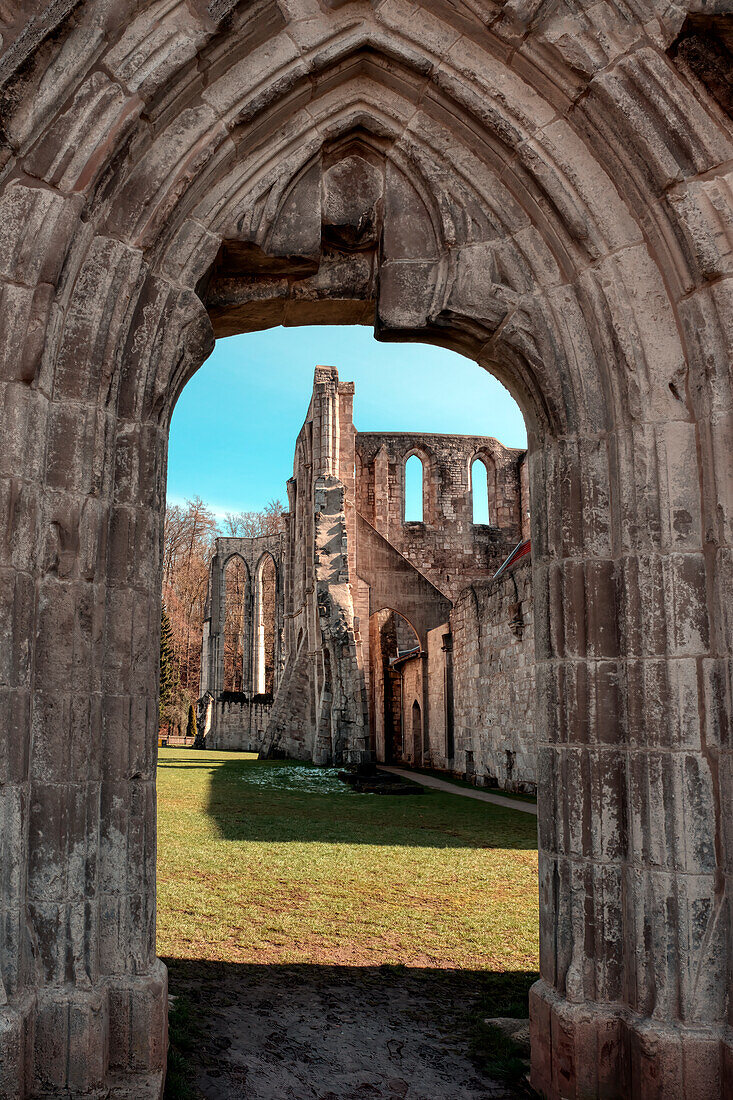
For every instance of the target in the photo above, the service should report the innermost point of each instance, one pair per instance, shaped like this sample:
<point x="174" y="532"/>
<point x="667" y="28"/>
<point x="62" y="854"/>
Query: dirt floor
<point x="331" y="1033"/>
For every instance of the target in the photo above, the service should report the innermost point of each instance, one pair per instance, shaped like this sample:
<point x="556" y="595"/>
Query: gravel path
<point x="453" y="788"/>
<point x="332" y="1033"/>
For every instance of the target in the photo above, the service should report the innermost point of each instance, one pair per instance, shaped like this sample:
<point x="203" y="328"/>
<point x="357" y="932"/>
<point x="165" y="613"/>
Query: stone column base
<point x="136" y="1086"/>
<point x="577" y="1050"/>
<point x="16" y="1047"/>
<point x="600" y="1052"/>
<point x="726" y="1063"/>
<point x="102" y="1041"/>
<point x="138" y="1011"/>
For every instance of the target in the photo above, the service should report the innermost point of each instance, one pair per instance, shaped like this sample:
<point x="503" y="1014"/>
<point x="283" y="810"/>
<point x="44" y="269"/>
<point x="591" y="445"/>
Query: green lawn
<point x="276" y="862"/>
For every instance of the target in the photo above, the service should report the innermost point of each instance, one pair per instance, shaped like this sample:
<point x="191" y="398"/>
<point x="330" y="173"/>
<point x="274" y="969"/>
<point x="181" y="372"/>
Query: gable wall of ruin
<point x="446" y="546"/>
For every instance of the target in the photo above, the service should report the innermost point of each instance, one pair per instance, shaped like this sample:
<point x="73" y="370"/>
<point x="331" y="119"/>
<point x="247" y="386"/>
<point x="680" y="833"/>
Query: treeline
<point x="190" y="531"/>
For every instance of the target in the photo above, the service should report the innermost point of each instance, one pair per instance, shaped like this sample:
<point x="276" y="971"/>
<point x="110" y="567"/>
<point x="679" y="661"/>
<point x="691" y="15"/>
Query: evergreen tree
<point x="168" y="675"/>
<point x="191" y="728"/>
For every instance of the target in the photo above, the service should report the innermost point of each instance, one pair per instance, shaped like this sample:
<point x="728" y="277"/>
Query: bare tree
<point x="190" y="531"/>
<point x="251" y="524"/>
<point x="188" y="545"/>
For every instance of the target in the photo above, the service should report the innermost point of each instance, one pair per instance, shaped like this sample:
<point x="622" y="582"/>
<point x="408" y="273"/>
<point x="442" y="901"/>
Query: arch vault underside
<point x="541" y="186"/>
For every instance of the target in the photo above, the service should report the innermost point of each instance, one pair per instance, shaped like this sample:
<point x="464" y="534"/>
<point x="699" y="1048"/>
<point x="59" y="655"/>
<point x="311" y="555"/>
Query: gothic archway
<point x="235" y="592"/>
<point x="265" y="626"/>
<point x="540" y="188"/>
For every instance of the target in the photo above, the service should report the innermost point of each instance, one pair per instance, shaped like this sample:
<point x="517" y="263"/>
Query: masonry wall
<point x="390" y="636"/>
<point x="376" y="689"/>
<point x="449" y="551"/>
<point x="447" y="547"/>
<point x="238" y="719"/>
<point x="412" y="692"/>
<point x="438" y="756"/>
<point x="494" y="682"/>
<point x="524" y="496"/>
<point x="238" y="725"/>
<point x="320" y="710"/>
<point x="359" y="586"/>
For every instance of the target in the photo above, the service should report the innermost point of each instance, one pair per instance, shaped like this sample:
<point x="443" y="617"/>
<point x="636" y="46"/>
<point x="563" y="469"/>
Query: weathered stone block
<point x="138" y="1007"/>
<point x="16" y="1043"/>
<point x="24" y="418"/>
<point x="36" y="229"/>
<point x="101" y="115"/>
<point x="70" y="1048"/>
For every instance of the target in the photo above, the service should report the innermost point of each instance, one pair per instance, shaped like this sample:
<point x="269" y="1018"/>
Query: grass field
<point x="275" y="862"/>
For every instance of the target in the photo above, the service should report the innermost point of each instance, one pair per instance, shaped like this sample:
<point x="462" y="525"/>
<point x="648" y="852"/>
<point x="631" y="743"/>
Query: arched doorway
<point x="533" y="193"/>
<point x="395" y="678"/>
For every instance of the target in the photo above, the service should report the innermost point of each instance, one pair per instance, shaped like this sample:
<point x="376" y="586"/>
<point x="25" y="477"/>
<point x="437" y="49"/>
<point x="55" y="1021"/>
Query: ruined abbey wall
<point x="367" y="646"/>
<point x="494" y="682"/>
<point x="237" y="719"/>
<point x="474" y="682"/>
<point x="363" y="651"/>
<point x="446" y="546"/>
<point x="320" y="710"/>
<point x="449" y="551"/>
<point x="238" y="724"/>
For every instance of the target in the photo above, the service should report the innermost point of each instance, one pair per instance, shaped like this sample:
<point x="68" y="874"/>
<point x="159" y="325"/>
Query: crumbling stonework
<point x="446" y="547"/>
<point x="418" y="569"/>
<point x="542" y="187"/>
<point x="239" y="718"/>
<point x="494" y="682"/>
<point x="344" y="583"/>
<point x="319" y="712"/>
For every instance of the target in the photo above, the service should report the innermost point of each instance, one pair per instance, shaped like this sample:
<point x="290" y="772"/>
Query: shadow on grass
<point x="280" y="801"/>
<point x="284" y="1030"/>
<point x="185" y="1030"/>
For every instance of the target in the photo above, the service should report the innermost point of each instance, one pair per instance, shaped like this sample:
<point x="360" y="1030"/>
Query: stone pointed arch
<point x="265" y="627"/>
<point x="229" y="554"/>
<point x="483" y="459"/>
<point x="235" y="723"/>
<point x="235" y="612"/>
<point x="404" y="617"/>
<point x="553" y="203"/>
<point x="428" y="488"/>
<point x="266" y="558"/>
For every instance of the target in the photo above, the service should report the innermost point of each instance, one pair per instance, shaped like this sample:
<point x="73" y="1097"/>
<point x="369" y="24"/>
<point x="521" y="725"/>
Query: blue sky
<point x="234" y="427"/>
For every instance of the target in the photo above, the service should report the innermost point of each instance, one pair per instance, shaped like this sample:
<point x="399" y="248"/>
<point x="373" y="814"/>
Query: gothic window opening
<point x="414" y="490"/>
<point x="235" y="589"/>
<point x="480" y="491"/>
<point x="265" y="604"/>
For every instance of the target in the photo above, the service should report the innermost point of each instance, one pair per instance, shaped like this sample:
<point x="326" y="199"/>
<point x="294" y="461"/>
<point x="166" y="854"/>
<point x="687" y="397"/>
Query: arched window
<point x="480" y="491"/>
<point x="264" y="632"/>
<point x="235" y="587"/>
<point x="413" y="490"/>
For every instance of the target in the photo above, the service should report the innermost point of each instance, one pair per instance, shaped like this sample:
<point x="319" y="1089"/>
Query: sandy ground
<point x="332" y="1033"/>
